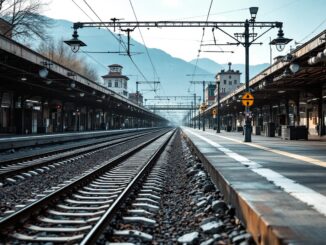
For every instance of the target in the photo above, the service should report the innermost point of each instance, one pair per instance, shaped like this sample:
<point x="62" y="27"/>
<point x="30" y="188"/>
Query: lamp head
<point x="253" y="12"/>
<point x="72" y="84"/>
<point x="280" y="41"/>
<point x="75" y="43"/>
<point x="48" y="82"/>
<point x="294" y="67"/>
<point x="43" y="73"/>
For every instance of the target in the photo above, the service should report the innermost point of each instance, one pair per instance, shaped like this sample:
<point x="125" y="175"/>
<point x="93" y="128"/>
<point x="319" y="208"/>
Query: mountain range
<point x="171" y="71"/>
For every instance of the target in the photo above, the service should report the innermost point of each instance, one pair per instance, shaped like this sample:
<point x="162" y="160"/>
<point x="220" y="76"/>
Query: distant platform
<point x="18" y="141"/>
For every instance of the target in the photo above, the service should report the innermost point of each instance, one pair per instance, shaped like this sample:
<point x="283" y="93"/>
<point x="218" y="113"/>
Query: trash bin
<point x="301" y="132"/>
<point x="294" y="133"/>
<point x="269" y="129"/>
<point x="256" y="130"/>
<point x="286" y="132"/>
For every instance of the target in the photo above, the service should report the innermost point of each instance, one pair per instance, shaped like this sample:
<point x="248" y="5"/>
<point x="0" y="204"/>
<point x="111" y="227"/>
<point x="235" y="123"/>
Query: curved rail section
<point x="25" y="166"/>
<point x="81" y="210"/>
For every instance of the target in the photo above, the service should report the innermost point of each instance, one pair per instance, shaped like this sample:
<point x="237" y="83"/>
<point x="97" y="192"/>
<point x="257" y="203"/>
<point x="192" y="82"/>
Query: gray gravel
<point x="192" y="210"/>
<point x="27" y="188"/>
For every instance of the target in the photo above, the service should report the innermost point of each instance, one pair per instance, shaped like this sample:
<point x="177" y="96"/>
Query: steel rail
<point x="100" y="226"/>
<point x="64" y="155"/>
<point x="13" y="159"/>
<point x="11" y="221"/>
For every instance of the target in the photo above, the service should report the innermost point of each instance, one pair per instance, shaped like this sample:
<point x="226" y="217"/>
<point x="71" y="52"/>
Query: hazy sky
<point x="302" y="19"/>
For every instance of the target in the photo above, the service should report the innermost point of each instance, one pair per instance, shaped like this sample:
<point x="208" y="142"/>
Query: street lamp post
<point x="203" y="104"/>
<point x="248" y="127"/>
<point x="218" y="117"/>
<point x="279" y="42"/>
<point x="195" y="111"/>
<point x="247" y="43"/>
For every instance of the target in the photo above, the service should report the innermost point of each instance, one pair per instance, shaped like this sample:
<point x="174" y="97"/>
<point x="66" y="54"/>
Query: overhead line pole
<point x="204" y="83"/>
<point x="142" y="82"/>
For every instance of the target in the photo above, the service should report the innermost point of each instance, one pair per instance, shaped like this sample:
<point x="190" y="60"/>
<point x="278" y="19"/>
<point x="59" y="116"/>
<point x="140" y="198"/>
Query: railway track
<point x="80" y="210"/>
<point x="31" y="165"/>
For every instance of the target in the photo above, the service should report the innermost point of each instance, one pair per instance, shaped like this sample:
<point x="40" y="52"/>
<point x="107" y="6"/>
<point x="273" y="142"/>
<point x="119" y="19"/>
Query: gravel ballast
<point x="192" y="209"/>
<point x="27" y="188"/>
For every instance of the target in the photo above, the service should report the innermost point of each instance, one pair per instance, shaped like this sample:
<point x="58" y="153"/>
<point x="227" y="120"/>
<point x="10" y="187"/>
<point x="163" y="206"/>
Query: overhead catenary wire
<point x="120" y="41"/>
<point x="143" y="40"/>
<point x="313" y="31"/>
<point x="149" y="57"/>
<point x="82" y="10"/>
<point x="90" y="56"/>
<point x="201" y="42"/>
<point x="141" y="35"/>
<point x="98" y="17"/>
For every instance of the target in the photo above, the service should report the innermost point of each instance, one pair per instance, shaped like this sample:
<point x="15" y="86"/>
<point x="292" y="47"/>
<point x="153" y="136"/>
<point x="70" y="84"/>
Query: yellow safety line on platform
<point x="284" y="153"/>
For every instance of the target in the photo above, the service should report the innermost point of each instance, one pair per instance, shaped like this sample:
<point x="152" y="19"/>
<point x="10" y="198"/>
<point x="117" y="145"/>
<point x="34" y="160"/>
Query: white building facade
<point x="229" y="81"/>
<point x="115" y="81"/>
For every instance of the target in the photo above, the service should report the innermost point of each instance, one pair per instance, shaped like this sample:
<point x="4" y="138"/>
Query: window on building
<point x="211" y="92"/>
<point x="235" y="81"/>
<point x="115" y="69"/>
<point x="224" y="81"/>
<point x="116" y="84"/>
<point x="110" y="84"/>
<point x="230" y="77"/>
<point x="125" y="93"/>
<point x="230" y="82"/>
<point x="125" y="84"/>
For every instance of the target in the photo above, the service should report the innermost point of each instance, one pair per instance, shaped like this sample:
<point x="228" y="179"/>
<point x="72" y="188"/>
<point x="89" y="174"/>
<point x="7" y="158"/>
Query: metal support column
<point x="321" y="123"/>
<point x="203" y="103"/>
<point x="247" y="128"/>
<point x="218" y="126"/>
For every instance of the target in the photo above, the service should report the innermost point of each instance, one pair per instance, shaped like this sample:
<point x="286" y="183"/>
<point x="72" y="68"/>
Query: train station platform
<point x="18" y="141"/>
<point x="278" y="187"/>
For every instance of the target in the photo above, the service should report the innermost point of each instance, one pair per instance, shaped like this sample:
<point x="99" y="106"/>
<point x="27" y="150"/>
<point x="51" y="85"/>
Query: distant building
<point x="210" y="94"/>
<point x="229" y="81"/>
<point x="115" y="81"/>
<point x="136" y="99"/>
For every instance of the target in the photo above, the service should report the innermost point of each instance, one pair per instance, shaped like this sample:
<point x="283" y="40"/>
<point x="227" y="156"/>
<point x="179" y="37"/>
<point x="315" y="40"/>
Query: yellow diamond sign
<point x="247" y="99"/>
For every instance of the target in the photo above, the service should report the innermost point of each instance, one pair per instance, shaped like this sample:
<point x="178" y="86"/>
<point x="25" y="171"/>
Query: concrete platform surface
<point x="277" y="187"/>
